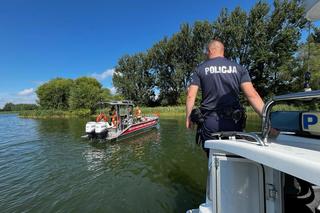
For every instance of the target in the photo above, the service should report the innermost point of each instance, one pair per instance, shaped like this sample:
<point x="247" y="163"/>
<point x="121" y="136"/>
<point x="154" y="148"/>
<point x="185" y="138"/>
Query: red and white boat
<point x="118" y="121"/>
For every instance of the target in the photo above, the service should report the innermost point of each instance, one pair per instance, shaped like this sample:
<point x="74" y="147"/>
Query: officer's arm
<point x="191" y="97"/>
<point x="253" y="97"/>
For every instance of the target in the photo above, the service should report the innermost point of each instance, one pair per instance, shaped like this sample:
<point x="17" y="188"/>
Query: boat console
<point x="260" y="173"/>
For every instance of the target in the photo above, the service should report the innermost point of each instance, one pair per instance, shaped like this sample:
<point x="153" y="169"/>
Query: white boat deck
<point x="293" y="155"/>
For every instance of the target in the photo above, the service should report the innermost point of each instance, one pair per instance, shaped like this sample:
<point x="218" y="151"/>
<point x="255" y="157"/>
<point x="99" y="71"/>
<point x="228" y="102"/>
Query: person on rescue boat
<point x="138" y="114"/>
<point x="113" y="116"/>
<point x="220" y="81"/>
<point x="112" y="110"/>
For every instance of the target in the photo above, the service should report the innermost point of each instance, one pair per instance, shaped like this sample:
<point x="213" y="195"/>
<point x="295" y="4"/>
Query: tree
<point x="8" y="107"/>
<point x="315" y="36"/>
<point x="308" y="56"/>
<point x="18" y="107"/>
<point x="284" y="32"/>
<point x="232" y="31"/>
<point x="190" y="45"/>
<point x="134" y="78"/>
<point x="264" y="41"/>
<point x="55" y="94"/>
<point x="162" y="54"/>
<point x="86" y="93"/>
<point x="175" y="58"/>
<point x="106" y="94"/>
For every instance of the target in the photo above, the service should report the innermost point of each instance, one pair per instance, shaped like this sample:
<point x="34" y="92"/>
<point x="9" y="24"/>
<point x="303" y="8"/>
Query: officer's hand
<point x="274" y="132"/>
<point x="188" y="123"/>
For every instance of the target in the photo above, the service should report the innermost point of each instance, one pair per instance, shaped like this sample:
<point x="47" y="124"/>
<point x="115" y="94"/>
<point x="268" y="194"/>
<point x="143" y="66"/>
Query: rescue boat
<point x="117" y="120"/>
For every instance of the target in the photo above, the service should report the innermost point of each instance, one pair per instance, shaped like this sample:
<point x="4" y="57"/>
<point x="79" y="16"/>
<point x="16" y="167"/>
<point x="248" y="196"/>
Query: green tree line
<point x="66" y="94"/>
<point x="266" y="40"/>
<point x="18" y="107"/>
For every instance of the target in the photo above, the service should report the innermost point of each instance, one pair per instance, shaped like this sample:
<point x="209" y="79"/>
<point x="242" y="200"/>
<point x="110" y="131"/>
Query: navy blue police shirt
<point x="219" y="80"/>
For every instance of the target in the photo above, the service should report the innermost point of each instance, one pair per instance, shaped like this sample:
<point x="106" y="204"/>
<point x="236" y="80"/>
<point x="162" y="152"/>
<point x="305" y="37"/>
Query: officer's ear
<point x="208" y="52"/>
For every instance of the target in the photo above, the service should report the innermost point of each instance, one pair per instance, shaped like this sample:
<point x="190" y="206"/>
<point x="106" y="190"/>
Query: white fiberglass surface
<point x="299" y="162"/>
<point x="240" y="186"/>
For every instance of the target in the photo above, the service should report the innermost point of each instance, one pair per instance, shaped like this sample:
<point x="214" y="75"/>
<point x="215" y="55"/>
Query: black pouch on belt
<point x="196" y="116"/>
<point x="239" y="115"/>
<point x="236" y="114"/>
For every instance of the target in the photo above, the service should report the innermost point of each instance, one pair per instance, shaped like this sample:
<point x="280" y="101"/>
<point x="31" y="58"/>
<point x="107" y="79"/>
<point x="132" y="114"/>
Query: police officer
<point x="220" y="81"/>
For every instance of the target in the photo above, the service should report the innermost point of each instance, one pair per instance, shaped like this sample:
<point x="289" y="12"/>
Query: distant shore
<point x="9" y="112"/>
<point x="162" y="111"/>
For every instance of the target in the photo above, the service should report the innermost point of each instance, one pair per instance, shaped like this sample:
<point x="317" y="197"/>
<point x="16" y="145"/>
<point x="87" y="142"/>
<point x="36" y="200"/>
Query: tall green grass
<point x="55" y="113"/>
<point x="163" y="111"/>
<point x="180" y="110"/>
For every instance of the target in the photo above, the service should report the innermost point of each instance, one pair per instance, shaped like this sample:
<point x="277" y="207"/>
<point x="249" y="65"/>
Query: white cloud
<point x="113" y="90"/>
<point x="103" y="75"/>
<point x="17" y="99"/>
<point x="118" y="73"/>
<point x="26" y="92"/>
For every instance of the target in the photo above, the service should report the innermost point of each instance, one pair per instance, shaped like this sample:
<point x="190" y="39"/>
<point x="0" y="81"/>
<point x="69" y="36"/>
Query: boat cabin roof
<point x="117" y="103"/>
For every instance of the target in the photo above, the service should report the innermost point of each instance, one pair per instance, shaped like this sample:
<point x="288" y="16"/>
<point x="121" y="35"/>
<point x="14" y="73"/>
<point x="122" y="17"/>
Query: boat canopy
<point x="312" y="9"/>
<point x="125" y="102"/>
<point x="119" y="103"/>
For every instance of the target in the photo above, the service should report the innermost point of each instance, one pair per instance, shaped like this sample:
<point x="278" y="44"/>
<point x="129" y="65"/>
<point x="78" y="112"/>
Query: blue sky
<point x="44" y="39"/>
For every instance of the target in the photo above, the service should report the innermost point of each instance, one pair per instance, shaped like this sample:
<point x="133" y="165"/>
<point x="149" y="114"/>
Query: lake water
<point x="45" y="166"/>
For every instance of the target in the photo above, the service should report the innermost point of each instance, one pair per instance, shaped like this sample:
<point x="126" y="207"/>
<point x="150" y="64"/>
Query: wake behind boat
<point x="118" y="121"/>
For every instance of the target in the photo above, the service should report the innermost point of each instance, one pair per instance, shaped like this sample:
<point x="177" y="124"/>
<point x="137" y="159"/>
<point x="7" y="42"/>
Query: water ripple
<point x="46" y="166"/>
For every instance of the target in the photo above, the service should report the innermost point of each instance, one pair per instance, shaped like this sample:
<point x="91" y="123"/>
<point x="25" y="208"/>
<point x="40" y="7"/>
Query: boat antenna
<point x="307" y="75"/>
<point x="312" y="13"/>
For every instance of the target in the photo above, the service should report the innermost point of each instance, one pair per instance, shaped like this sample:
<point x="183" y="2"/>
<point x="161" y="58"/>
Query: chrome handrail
<point x="266" y="123"/>
<point x="298" y="96"/>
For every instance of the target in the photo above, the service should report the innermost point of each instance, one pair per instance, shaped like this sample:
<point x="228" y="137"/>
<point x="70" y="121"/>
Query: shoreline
<point x="85" y="113"/>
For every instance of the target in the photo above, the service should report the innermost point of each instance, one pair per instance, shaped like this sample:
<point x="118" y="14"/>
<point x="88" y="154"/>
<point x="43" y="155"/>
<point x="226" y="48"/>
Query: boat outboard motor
<point x="90" y="129"/>
<point x="101" y="129"/>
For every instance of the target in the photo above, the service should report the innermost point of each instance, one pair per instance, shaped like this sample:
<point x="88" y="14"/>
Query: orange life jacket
<point x="101" y="117"/>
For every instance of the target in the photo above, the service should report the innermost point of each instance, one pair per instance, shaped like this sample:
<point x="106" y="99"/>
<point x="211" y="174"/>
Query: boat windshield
<point x="125" y="110"/>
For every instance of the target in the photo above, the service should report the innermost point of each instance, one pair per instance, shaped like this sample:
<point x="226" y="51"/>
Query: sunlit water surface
<point x="45" y="166"/>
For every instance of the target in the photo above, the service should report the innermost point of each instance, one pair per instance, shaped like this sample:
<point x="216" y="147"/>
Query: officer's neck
<point x="216" y="56"/>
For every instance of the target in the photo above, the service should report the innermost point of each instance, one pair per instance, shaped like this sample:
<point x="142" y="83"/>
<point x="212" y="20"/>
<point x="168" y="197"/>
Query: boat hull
<point x="138" y="128"/>
<point x="135" y="129"/>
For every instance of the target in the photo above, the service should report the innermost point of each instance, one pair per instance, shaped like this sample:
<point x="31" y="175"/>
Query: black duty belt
<point x="235" y="114"/>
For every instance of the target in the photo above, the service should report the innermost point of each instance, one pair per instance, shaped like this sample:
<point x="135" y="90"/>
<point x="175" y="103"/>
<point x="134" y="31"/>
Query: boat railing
<point x="245" y="135"/>
<point x="300" y="96"/>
